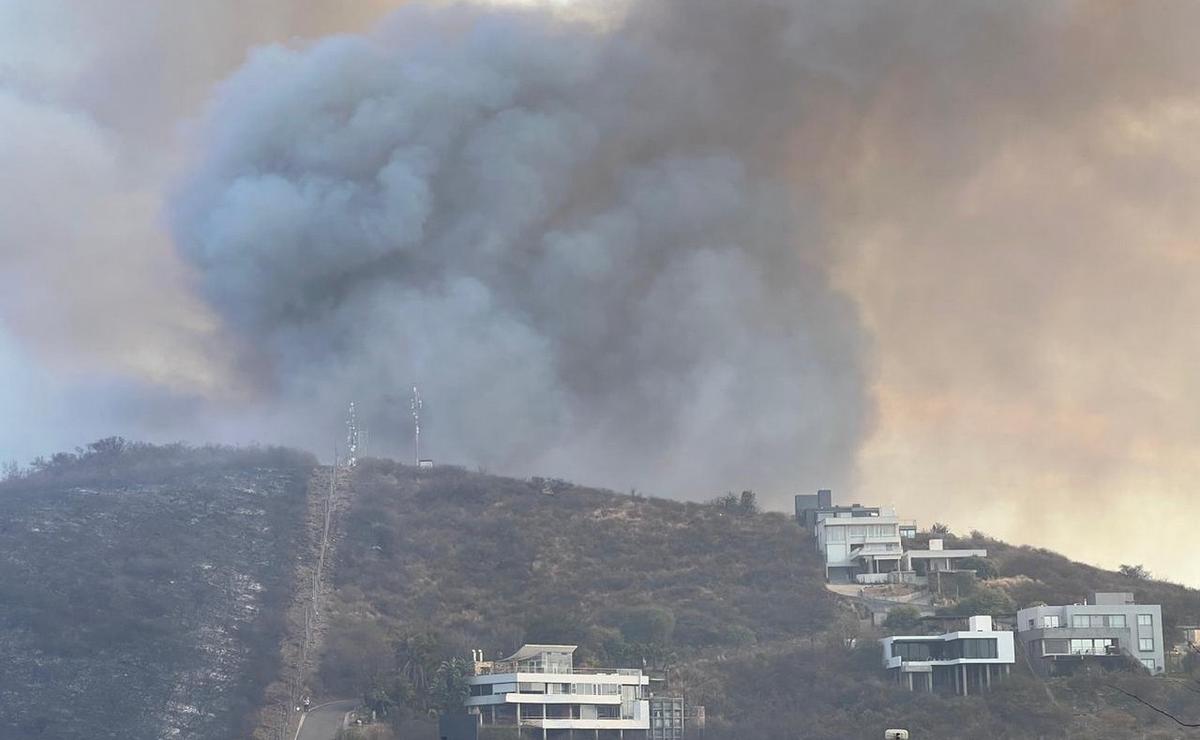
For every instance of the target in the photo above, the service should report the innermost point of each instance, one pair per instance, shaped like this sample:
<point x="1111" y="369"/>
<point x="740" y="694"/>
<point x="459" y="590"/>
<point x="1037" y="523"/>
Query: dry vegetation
<point x="729" y="603"/>
<point x="142" y="588"/>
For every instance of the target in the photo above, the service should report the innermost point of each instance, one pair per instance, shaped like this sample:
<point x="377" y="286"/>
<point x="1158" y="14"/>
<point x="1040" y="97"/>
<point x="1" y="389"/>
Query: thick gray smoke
<point x="580" y="242"/>
<point x="615" y="248"/>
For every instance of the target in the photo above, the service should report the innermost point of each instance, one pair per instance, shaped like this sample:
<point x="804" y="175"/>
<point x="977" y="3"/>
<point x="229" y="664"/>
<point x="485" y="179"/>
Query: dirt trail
<point x="328" y="498"/>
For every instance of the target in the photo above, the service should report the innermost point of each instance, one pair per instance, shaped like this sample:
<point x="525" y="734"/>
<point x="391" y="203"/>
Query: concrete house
<point x="937" y="558"/>
<point x="539" y="690"/>
<point x="962" y="662"/>
<point x="1106" y="628"/>
<point x="859" y="545"/>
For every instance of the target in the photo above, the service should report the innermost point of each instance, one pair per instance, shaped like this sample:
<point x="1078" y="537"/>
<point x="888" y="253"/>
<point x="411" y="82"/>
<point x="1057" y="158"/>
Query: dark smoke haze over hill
<point x="938" y="254"/>
<point x="580" y="244"/>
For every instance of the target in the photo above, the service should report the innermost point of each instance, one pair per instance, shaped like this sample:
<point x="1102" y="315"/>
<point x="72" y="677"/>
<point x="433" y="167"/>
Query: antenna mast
<point x="351" y="437"/>
<point x="415" y="405"/>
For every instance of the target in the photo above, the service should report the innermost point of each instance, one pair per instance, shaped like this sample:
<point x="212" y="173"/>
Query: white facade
<point x="852" y="544"/>
<point x="538" y="689"/>
<point x="965" y="661"/>
<point x="937" y="558"/>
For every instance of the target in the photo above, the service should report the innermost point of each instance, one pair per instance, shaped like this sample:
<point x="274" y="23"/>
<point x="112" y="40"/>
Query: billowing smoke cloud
<point x="578" y="242"/>
<point x="617" y="248"/>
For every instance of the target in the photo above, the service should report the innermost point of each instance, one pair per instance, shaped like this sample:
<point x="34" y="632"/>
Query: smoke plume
<point x="578" y="242"/>
<point x="935" y="254"/>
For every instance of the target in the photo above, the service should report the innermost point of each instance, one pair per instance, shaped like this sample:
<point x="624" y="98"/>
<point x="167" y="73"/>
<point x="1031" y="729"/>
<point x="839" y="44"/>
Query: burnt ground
<point x="142" y="592"/>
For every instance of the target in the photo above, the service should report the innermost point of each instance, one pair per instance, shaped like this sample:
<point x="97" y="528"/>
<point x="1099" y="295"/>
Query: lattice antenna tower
<point x="415" y="405"/>
<point x="351" y="437"/>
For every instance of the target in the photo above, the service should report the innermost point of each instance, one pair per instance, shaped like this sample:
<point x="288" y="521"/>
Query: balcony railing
<point x="487" y="669"/>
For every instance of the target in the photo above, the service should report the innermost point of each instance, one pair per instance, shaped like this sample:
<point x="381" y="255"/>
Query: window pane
<point x="1146" y="644"/>
<point x="1145" y="619"/>
<point x="1116" y="620"/>
<point x="1079" y="620"/>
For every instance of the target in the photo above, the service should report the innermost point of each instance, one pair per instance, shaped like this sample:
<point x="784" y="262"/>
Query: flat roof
<point x="531" y="651"/>
<point x="926" y="554"/>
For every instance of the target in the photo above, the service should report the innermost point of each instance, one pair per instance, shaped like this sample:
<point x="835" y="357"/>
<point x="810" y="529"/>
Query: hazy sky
<point x="936" y="254"/>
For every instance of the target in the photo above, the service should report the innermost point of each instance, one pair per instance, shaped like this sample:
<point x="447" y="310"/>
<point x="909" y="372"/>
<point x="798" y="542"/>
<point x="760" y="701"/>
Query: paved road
<point x="323" y="722"/>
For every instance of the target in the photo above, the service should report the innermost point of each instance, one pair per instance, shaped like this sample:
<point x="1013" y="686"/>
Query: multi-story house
<point x="539" y="690"/>
<point x="856" y="545"/>
<point x="963" y="662"/>
<point x="1107" y="627"/>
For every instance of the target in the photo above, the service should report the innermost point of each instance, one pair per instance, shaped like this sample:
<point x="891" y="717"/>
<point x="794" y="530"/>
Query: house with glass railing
<point x="1105" y="628"/>
<point x="540" y="691"/>
<point x="962" y="662"/>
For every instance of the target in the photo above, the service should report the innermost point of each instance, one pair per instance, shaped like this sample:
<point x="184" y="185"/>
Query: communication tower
<point x="351" y="437"/>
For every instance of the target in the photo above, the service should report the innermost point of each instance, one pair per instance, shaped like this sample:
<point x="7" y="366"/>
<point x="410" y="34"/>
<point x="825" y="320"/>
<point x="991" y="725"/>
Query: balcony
<point x="497" y="668"/>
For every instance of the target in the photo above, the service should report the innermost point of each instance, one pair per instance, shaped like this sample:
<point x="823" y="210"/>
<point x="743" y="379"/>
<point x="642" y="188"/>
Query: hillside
<point x="141" y="589"/>
<point x="728" y="604"/>
<point x="144" y="593"/>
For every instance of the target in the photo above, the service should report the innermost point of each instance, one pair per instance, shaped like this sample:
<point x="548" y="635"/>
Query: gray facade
<point x="811" y="508"/>
<point x="822" y="499"/>
<point x="666" y="718"/>
<point x="458" y="726"/>
<point x="1109" y="628"/>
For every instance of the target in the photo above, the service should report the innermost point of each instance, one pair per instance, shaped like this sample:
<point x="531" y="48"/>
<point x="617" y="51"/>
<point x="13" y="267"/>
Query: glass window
<point x="835" y="534"/>
<point x="1093" y="646"/>
<point x="911" y="650"/>
<point x="979" y="648"/>
<point x="1150" y="665"/>
<point x="1080" y="620"/>
<point x="858" y="531"/>
<point x="1145" y="620"/>
<point x="1116" y="620"/>
<point x="1055" y="647"/>
<point x="1146" y="644"/>
<point x="1050" y="620"/>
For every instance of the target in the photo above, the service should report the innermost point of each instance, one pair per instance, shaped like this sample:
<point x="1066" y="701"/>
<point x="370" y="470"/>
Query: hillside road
<point x="322" y="722"/>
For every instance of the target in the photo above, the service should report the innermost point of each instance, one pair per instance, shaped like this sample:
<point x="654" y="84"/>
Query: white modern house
<point x="1106" y="627"/>
<point x="539" y="690"/>
<point x="937" y="558"/>
<point x="960" y="661"/>
<point x="859" y="545"/>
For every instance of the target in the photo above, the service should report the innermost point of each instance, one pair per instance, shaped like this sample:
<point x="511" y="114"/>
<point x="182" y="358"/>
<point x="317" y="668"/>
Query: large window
<point x="1145" y="620"/>
<point x="1146" y="644"/>
<point x="974" y="647"/>
<point x="835" y="534"/>
<point x="911" y="650"/>
<point x="1094" y="646"/>
<point x="1050" y="620"/>
<point x="1098" y="620"/>
<point x="1150" y="664"/>
<point x="858" y="531"/>
<point x="1056" y="646"/>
